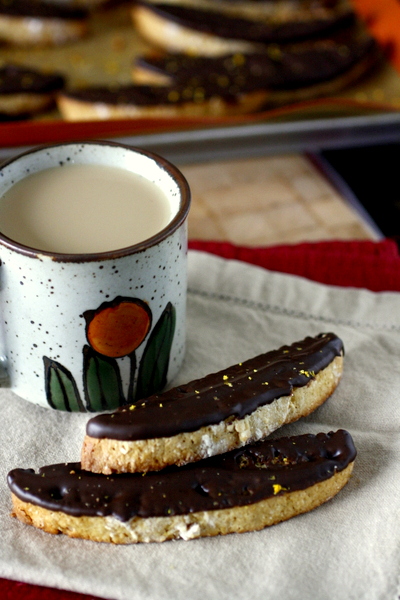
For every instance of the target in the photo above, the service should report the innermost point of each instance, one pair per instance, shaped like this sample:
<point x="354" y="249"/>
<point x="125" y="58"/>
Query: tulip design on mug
<point x="114" y="331"/>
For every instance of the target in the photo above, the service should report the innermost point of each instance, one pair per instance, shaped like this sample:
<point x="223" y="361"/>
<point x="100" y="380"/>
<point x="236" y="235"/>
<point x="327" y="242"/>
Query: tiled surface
<point x="268" y="201"/>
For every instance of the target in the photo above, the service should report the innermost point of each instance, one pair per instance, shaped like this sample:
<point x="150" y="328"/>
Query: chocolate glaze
<point x="41" y="10"/>
<point x="16" y="80"/>
<point x="225" y="26"/>
<point x="290" y="67"/>
<point x="232" y="393"/>
<point x="239" y="478"/>
<point x="147" y="95"/>
<point x="197" y="79"/>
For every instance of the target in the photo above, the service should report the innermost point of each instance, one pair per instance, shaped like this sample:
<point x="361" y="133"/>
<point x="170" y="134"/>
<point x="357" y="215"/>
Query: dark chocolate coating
<point x="278" y="68"/>
<point x="146" y="95"/>
<point x="17" y="80"/>
<point x="197" y="79"/>
<point x="239" y="478"/>
<point x="40" y="10"/>
<point x="230" y="27"/>
<point x="232" y="393"/>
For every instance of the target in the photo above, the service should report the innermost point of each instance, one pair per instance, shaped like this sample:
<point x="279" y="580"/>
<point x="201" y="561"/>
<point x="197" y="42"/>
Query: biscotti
<point x="24" y="92"/>
<point x="245" y="490"/>
<point x="295" y="52"/>
<point x="222" y="411"/>
<point x="277" y="67"/>
<point x="287" y="73"/>
<point x="26" y="23"/>
<point x="143" y="101"/>
<point x="214" y="29"/>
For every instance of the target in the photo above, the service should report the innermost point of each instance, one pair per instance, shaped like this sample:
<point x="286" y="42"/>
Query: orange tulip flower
<point x="117" y="328"/>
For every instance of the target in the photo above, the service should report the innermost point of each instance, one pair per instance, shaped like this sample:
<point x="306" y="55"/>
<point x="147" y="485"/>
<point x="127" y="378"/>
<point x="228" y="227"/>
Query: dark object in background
<point x="373" y="175"/>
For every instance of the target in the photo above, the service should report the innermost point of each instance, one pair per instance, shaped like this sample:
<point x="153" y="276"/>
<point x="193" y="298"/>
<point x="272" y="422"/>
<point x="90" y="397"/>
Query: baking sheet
<point x="207" y="144"/>
<point x="369" y="110"/>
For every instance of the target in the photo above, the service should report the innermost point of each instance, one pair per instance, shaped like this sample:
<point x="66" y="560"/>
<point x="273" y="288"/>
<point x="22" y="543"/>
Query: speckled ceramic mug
<point x="91" y="332"/>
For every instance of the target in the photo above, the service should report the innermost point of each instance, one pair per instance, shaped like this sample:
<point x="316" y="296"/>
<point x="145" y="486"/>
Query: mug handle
<point x="4" y="377"/>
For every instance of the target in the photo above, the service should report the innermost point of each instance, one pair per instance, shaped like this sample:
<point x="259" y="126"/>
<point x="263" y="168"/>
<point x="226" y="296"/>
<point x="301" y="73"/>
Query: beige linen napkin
<point x="345" y="549"/>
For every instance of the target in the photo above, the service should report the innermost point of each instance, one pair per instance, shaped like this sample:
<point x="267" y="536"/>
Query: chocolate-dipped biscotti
<point x="26" y="91"/>
<point x="277" y="67"/>
<point x="27" y="23"/>
<point x="230" y="58"/>
<point x="142" y="101"/>
<point x="222" y="411"/>
<point x="218" y="28"/>
<point x="245" y="490"/>
<point x="177" y="85"/>
<point x="288" y="73"/>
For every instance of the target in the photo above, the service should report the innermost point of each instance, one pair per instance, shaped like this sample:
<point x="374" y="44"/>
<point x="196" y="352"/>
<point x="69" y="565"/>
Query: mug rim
<point x="142" y="246"/>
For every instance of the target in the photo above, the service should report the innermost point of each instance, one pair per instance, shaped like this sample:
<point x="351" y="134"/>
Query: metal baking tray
<point x="211" y="143"/>
<point x="368" y="112"/>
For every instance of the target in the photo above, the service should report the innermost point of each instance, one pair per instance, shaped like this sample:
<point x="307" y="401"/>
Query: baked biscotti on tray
<point x="222" y="411"/>
<point x="169" y="85"/>
<point x="245" y="490"/>
<point x="278" y="67"/>
<point x="229" y="58"/>
<point x="148" y="101"/>
<point x="27" y="23"/>
<point x="217" y="28"/>
<point x="24" y="91"/>
<point x="173" y="86"/>
<point x="287" y="73"/>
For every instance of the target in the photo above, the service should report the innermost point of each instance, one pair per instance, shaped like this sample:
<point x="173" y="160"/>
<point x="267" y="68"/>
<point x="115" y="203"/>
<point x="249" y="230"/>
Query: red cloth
<point x="372" y="265"/>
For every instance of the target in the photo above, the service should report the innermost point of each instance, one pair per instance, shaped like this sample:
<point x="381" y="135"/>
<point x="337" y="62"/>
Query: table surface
<point x="261" y="202"/>
<point x="269" y="200"/>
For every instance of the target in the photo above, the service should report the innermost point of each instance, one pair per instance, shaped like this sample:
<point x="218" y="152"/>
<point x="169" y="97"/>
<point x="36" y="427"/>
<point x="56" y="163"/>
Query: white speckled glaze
<point x="44" y="296"/>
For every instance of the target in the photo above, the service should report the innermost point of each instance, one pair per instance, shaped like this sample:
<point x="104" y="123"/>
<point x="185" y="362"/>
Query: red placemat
<point x="367" y="264"/>
<point x="371" y="265"/>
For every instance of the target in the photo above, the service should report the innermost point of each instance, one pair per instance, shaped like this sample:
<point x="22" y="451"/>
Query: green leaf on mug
<point x="61" y="390"/>
<point x="130" y="397"/>
<point x="101" y="381"/>
<point x="153" y="369"/>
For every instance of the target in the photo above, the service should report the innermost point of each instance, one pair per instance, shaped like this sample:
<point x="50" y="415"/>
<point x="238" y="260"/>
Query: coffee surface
<point x="78" y="208"/>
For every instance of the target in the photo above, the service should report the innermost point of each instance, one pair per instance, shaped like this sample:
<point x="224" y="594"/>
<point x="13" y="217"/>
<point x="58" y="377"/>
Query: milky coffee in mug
<point x="83" y="208"/>
<point x="93" y="248"/>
